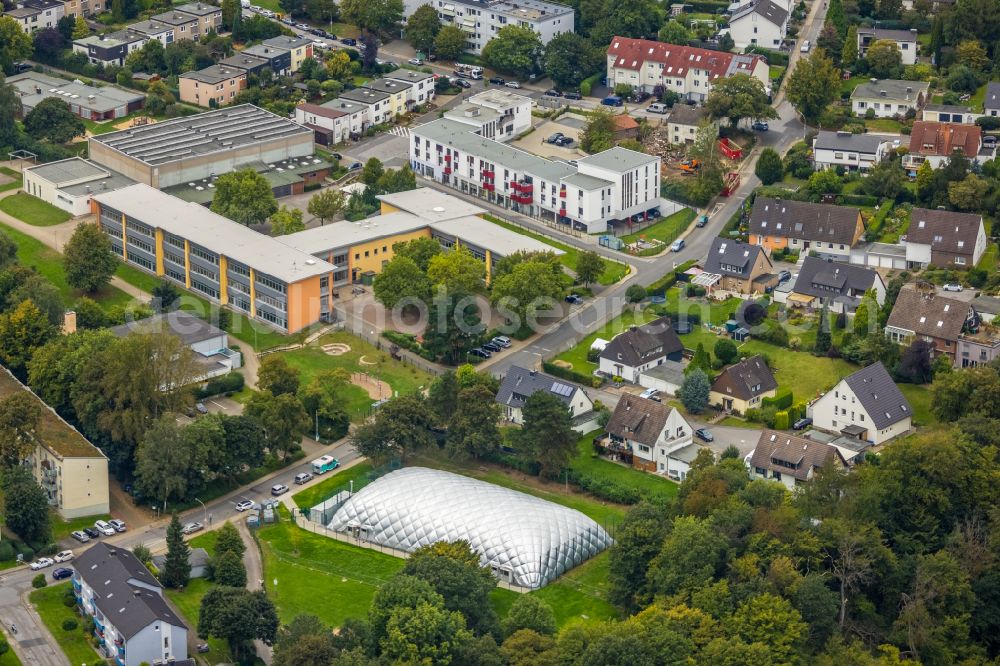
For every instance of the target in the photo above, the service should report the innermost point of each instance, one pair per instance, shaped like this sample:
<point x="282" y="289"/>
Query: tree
<point x="19" y="416"/>
<point x="884" y="59"/>
<point x="813" y="84"/>
<point x="326" y="204"/>
<point x="570" y="58"/>
<point x="674" y="32"/>
<point x="769" y="168"/>
<point x="80" y="28"/>
<point x="589" y="267"/>
<point x="164" y="297"/>
<point x="48" y="43"/>
<point x="531" y="613"/>
<point x="442" y="396"/>
<point x="15" y="44"/>
<point x="472" y="429"/>
<point x="453" y="323"/>
<point x="371" y="172"/>
<point x="849" y="51"/>
<point x="26" y="506"/>
<point x="382" y="17"/>
<point x="514" y="50"/>
<point x="89" y="314"/>
<point x="852" y="550"/>
<point x="458" y="272"/>
<point x="885" y="180"/>
<point x="863" y="320"/>
<point x="232" y="12"/>
<point x="689" y="558"/>
<point x="529" y="289"/>
<point x="823" y="340"/>
<point x="962" y="79"/>
<point x="700" y="361"/>
<point x="228" y="540"/>
<point x="725" y="350"/>
<point x="694" y="391"/>
<point x="401" y="426"/>
<point x="969" y="193"/>
<point x="831" y="41"/>
<point x="422" y="27"/>
<point x="43" y="294"/>
<point x="737" y="97"/>
<point x="8" y="248"/>
<point x="238" y="616"/>
<point x="22" y="331"/>
<point x="401" y="281"/>
<point x="177" y="568"/>
<point x="637" y="541"/>
<point x="52" y="120"/>
<point x="304" y="641"/>
<point x="228" y="570"/>
<point x="283" y="418"/>
<point x="244" y="196"/>
<point x="286" y="221"/>
<point x="401" y="591"/>
<point x="836" y="16"/>
<point x="55" y="366"/>
<point x="88" y="259"/>
<point x="825" y="181"/>
<point x="547" y="435"/>
<point x="915" y="363"/>
<point x="163" y="463"/>
<point x="767" y="619"/>
<point x="599" y="132"/>
<point x="276" y="376"/>
<point x="450" y="42"/>
<point x="970" y="52"/>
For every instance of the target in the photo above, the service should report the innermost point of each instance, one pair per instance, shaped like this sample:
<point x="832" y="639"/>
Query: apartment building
<point x="279" y="59"/>
<point x="209" y="16"/>
<point x="34" y="15"/>
<point x="217" y="85"/>
<point x="299" y="48"/>
<point x="482" y="20"/>
<point x="185" y="26"/>
<point x="248" y="63"/>
<point x="685" y="70"/>
<point x="379" y="108"/>
<point x="162" y="32"/>
<point x="423" y="83"/>
<point x="333" y="122"/>
<point x="111" y="48"/>
<point x="132" y="622"/>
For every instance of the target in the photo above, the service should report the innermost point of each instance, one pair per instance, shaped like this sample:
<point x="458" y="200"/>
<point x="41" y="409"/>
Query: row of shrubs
<point x="598" y="486"/>
<point x="409" y="341"/>
<point x="779" y="419"/>
<point x="668" y="280"/>
<point x="226" y="384"/>
<point x="782" y="400"/>
<point x="569" y="374"/>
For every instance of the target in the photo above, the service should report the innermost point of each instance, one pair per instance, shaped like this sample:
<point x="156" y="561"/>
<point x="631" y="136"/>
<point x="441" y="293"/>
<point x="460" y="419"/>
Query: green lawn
<point x="613" y="270"/>
<point x="587" y="462"/>
<point x="887" y="125"/>
<point x="61" y="528"/>
<point x="665" y="231"/>
<point x="806" y="375"/>
<point x="311" y="360"/>
<point x="577" y="356"/>
<point x="988" y="262"/>
<point x="10" y="658"/>
<point x="32" y="253"/>
<point x="75" y="644"/>
<point x="313" y="495"/>
<point x="188" y="602"/>
<point x="12" y="185"/>
<point x="919" y="397"/>
<point x="977" y="100"/>
<point x="33" y="210"/>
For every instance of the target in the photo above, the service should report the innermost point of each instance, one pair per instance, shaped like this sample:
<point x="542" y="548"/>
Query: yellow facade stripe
<point x="159" y="252"/>
<point x="124" y="240"/>
<point x="187" y="263"/>
<point x="253" y="293"/>
<point x="489" y="266"/>
<point x="223" y="279"/>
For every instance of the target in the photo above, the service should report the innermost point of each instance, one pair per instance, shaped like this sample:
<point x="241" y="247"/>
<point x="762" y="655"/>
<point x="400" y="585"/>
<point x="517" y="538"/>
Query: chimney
<point x="69" y="322"/>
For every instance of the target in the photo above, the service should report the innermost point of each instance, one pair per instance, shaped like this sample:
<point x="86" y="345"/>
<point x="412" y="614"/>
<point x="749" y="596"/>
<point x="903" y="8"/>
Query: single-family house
<point x="851" y="151"/>
<point x="759" y="23"/>
<point x="640" y="348"/>
<point x="950" y="113"/>
<point x="683" y="123"/>
<point x="279" y="59"/>
<point x="743" y="386"/>
<point x="216" y="84"/>
<point x="936" y="142"/>
<point x="944" y="239"/>
<point x="888" y="98"/>
<point x="991" y="103"/>
<point x="790" y="459"/>
<point x="132" y="621"/>
<point x="838" y="286"/>
<point x="800" y="226"/>
<point x="521" y="383"/>
<point x="866" y="405"/>
<point x="651" y="436"/>
<point x="110" y="48"/>
<point x="738" y="267"/>
<point x="905" y="40"/>
<point x="298" y="46"/>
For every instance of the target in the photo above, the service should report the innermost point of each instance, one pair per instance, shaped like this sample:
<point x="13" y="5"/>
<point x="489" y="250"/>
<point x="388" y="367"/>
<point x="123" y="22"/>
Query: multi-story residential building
<point x="333" y="122"/>
<point x="935" y="143"/>
<point x="905" y="40"/>
<point x="837" y="286"/>
<point x="944" y="239"/>
<point x="378" y="104"/>
<point x="495" y="114"/>
<point x="423" y="83"/>
<point x="482" y="20"/>
<point x="519" y="384"/>
<point x="209" y="16"/>
<point x="743" y="386"/>
<point x="400" y="94"/>
<point x="684" y="122"/>
<point x="888" y="98"/>
<point x="279" y="59"/>
<point x="162" y="32"/>
<point x="111" y="48"/>
<point x="34" y="15"/>
<point x="89" y="102"/>
<point x="299" y="48"/>
<point x="866" y="405"/>
<point x="685" y="70"/>
<point x="830" y="231"/>
<point x="216" y="85"/>
<point x="852" y="151"/>
<point x="791" y="460"/>
<point x="759" y="23"/>
<point x="132" y="622"/>
<point x="248" y="63"/>
<point x="650" y="436"/>
<point x="738" y="267"/>
<point x="72" y="471"/>
<point x="185" y="26"/>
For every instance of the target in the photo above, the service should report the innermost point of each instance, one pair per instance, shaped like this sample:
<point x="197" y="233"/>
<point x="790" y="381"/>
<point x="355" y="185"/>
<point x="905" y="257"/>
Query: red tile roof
<point x="932" y="138"/>
<point x="632" y="53"/>
<point x="625" y="122"/>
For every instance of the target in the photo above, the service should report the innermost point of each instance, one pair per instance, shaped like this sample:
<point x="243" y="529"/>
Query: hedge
<point x="773" y="57"/>
<point x="859" y="200"/>
<point x="569" y="374"/>
<point x="409" y="341"/>
<point x="693" y="318"/>
<point x="588" y="83"/>
<point x="781" y="421"/>
<point x="228" y="383"/>
<point x="782" y="400"/>
<point x="669" y="279"/>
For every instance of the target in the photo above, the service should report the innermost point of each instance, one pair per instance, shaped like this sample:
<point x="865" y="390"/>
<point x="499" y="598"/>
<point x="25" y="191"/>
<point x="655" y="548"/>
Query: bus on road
<point x="324" y="464"/>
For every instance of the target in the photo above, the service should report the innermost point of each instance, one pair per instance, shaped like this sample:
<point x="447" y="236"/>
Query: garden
<point x="661" y="233"/>
<point x="33" y="210"/>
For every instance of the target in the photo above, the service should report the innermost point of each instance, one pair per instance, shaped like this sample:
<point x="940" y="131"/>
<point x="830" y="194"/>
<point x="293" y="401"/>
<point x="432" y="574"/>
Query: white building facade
<point x="481" y="21"/>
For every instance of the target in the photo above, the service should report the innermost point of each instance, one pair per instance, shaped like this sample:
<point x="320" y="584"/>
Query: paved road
<point x="32" y="643"/>
<point x="255" y="580"/>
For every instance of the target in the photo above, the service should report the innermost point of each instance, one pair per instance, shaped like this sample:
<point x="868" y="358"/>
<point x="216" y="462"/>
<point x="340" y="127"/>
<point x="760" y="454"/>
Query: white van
<point x="245" y="4"/>
<point x="657" y="107"/>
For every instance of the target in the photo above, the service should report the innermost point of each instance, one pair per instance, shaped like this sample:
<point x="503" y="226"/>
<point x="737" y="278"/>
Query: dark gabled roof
<point x="927" y="313"/>
<point x="639" y="345"/>
<point x="804" y="454"/>
<point x="183" y="324"/>
<point x="519" y="383"/>
<point x="944" y="230"/>
<point x="879" y="395"/>
<point x="745" y="380"/>
<point x="804" y="220"/>
<point x="638" y="419"/>
<point x="894" y="35"/>
<point x="992" y="100"/>
<point x="823" y="278"/>
<point x="765" y="8"/>
<point x="732" y="258"/>
<point x="123" y="589"/>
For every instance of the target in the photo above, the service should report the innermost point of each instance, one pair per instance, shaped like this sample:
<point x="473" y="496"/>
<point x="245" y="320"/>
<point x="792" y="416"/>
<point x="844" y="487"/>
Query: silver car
<point x="191" y="528"/>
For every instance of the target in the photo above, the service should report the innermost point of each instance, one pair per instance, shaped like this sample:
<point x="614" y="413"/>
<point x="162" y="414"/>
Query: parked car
<point x="303" y="26"/>
<point x="480" y="353"/>
<point x="63" y="556"/>
<point x="244" y="505"/>
<point x="119" y="525"/>
<point x="573" y="95"/>
<point x="303" y="477"/>
<point x="654" y="213"/>
<point x="415" y="61"/>
<point x="705" y="435"/>
<point x="573" y="299"/>
<point x="552" y="92"/>
<point x="498" y="81"/>
<point x="279" y="489"/>
<point x="554" y="138"/>
<point x="784" y="276"/>
<point x="202" y="648"/>
<point x="612" y="100"/>
<point x="21" y="67"/>
<point x="564" y="141"/>
<point x="760" y="126"/>
<point x="201" y="408"/>
<point x="355" y="166"/>
<point x="501" y="340"/>
<point x="651" y="394"/>
<point x="639" y="96"/>
<point x="702" y="220"/>
<point x="61" y="573"/>
<point x="349" y="41"/>
<point x="658" y="107"/>
<point x="191" y="528"/>
<point x="806" y="45"/>
<point x="91" y="532"/>
<point x="103" y="527"/>
<point x="490" y="347"/>
<point x="79" y="536"/>
<point x="317" y="44"/>
<point x="677" y="245"/>
<point x="462" y="83"/>
<point x="512" y="84"/>
<point x="41" y="563"/>
<point x="802" y="423"/>
<point x="288" y="21"/>
<point x="952" y="286"/>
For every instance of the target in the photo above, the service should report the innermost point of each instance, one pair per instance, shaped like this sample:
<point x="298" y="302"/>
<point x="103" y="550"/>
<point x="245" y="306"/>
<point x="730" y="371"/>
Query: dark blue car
<point x="61" y="573"/>
<point x="612" y="100"/>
